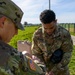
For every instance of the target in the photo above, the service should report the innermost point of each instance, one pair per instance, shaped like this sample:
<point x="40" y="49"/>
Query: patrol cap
<point x="9" y="9"/>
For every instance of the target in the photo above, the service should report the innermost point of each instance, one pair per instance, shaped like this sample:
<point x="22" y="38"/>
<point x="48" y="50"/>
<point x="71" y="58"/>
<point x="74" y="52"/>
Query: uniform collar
<point x="54" y="34"/>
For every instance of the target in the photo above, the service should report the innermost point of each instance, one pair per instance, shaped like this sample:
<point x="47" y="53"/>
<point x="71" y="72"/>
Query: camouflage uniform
<point x="13" y="62"/>
<point x="44" y="45"/>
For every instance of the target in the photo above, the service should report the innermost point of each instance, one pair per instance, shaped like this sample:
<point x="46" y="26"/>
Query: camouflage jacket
<point x="43" y="46"/>
<point x="13" y="62"/>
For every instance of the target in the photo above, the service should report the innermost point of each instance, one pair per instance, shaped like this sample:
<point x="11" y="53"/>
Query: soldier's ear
<point x="2" y="20"/>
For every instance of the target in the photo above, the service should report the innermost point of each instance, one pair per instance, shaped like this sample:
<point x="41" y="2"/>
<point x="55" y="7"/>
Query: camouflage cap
<point x="12" y="11"/>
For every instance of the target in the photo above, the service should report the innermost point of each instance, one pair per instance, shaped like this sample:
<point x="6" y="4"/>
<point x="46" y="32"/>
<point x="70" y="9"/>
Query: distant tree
<point x="25" y="23"/>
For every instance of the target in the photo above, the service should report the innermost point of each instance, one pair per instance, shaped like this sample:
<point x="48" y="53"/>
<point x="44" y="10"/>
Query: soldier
<point x="13" y="62"/>
<point x="52" y="44"/>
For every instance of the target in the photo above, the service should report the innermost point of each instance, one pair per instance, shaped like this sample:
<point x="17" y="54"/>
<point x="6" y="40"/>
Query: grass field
<point x="23" y="35"/>
<point x="72" y="63"/>
<point x="27" y="35"/>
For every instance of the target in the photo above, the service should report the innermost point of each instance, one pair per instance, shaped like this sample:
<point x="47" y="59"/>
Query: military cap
<point x="9" y="9"/>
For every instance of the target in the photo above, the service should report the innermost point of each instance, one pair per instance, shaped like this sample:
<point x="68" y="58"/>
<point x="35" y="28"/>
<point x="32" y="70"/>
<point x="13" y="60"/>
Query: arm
<point x="36" y="50"/>
<point x="67" y="47"/>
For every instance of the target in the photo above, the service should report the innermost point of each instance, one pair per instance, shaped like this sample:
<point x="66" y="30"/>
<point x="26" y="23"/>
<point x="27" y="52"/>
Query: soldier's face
<point x="8" y="30"/>
<point x="50" y="27"/>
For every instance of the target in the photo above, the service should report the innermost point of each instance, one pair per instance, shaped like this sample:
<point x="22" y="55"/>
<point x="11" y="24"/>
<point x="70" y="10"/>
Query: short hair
<point x="47" y="16"/>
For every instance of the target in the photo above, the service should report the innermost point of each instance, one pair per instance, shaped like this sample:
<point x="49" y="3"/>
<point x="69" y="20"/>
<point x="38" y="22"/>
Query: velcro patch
<point x="32" y="65"/>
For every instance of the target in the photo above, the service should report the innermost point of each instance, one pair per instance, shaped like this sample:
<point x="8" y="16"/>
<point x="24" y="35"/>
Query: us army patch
<point x="32" y="65"/>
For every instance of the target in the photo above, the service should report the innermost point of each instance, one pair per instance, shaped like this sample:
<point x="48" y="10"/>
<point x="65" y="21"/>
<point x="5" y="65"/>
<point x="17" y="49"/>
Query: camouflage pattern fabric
<point x="44" y="45"/>
<point x="13" y="62"/>
<point x="8" y="7"/>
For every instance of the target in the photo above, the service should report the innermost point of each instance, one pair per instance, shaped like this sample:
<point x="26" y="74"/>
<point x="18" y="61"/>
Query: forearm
<point x="62" y="66"/>
<point x="36" y="51"/>
<point x="67" y="47"/>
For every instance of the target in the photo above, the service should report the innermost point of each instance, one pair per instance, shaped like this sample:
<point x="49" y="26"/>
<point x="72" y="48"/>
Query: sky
<point x="64" y="9"/>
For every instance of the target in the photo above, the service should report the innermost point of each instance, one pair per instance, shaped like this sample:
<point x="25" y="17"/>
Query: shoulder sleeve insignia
<point x="32" y="65"/>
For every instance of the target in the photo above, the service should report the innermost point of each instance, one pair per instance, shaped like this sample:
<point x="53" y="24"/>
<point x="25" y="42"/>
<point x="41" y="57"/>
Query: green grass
<point x="72" y="33"/>
<point x="72" y="63"/>
<point x="23" y="35"/>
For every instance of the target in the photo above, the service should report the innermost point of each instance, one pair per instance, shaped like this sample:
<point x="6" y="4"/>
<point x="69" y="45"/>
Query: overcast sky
<point x="64" y="9"/>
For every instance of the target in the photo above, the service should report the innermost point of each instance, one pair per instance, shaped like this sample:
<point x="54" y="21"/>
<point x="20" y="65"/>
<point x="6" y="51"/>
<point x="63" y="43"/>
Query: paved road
<point x="73" y="38"/>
